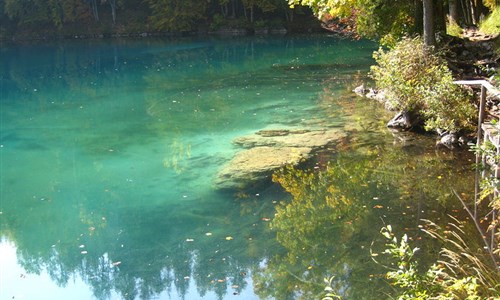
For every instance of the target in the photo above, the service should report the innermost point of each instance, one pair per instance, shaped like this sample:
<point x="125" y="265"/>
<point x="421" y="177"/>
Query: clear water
<point x="109" y="148"/>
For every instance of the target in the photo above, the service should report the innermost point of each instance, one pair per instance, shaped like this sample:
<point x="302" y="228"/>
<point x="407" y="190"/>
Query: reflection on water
<point x="108" y="150"/>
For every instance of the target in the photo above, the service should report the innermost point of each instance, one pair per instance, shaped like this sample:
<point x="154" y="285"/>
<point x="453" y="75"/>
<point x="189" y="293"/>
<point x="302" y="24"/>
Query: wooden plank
<point x="491" y="89"/>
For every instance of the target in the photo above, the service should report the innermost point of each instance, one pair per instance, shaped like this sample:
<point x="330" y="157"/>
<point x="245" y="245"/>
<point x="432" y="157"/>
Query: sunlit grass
<point x="492" y="24"/>
<point x="453" y="29"/>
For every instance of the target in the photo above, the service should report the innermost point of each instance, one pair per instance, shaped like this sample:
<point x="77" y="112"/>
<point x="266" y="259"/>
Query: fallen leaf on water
<point x="228" y="238"/>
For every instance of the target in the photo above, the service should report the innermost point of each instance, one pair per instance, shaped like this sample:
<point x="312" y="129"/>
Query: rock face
<point x="403" y="121"/>
<point x="267" y="151"/>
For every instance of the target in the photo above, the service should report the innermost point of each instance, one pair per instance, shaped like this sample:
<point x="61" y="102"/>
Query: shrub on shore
<point x="415" y="79"/>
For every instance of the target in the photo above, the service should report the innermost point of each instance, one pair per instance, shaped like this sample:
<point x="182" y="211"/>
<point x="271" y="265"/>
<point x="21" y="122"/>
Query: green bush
<point x="417" y="80"/>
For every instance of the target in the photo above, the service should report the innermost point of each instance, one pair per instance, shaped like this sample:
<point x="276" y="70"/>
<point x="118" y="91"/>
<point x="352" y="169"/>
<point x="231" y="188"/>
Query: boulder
<point x="267" y="150"/>
<point x="254" y="165"/>
<point x="448" y="140"/>
<point x="290" y="138"/>
<point x="361" y="90"/>
<point x="403" y="121"/>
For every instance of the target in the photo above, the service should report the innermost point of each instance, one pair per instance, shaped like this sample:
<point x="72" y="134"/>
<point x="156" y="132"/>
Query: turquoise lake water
<point x="109" y="149"/>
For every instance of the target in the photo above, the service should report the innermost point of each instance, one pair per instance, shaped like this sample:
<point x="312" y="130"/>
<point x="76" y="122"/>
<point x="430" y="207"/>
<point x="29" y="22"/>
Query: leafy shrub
<point x="417" y="80"/>
<point x="462" y="271"/>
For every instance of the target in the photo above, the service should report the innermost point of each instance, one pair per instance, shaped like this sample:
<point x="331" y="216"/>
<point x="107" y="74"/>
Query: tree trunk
<point x="453" y="11"/>
<point x="429" y="36"/>
<point x="419" y="17"/>
<point x="234" y="9"/>
<point x="112" y="3"/>
<point x="473" y="12"/>
<point x="439" y="16"/>
<point x="465" y="4"/>
<point x="93" y="8"/>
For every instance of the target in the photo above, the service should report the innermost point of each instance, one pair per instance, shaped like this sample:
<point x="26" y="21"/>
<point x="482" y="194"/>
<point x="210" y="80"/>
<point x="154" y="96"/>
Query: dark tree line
<point x="163" y="15"/>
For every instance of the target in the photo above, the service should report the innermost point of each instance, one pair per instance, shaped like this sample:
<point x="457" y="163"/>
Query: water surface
<point x="109" y="148"/>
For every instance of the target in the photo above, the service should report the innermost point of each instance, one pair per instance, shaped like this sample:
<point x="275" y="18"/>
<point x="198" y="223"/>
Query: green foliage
<point x="491" y="3"/>
<point x="333" y="211"/>
<point x="330" y="291"/>
<point x="27" y="11"/>
<point x="435" y="283"/>
<point x="219" y="22"/>
<point x="406" y="276"/>
<point x="388" y="20"/>
<point x="335" y="8"/>
<point x="415" y="79"/>
<point x="492" y="24"/>
<point x="176" y="15"/>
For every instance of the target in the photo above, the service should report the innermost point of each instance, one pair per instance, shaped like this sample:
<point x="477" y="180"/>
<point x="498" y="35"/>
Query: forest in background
<point x="39" y="19"/>
<point x="388" y="20"/>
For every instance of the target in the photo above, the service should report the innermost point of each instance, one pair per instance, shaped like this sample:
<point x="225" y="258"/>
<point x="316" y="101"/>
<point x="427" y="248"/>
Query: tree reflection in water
<point x="337" y="209"/>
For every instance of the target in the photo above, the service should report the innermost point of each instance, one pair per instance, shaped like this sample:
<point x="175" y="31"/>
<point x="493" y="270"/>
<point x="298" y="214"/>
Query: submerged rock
<point x="253" y="165"/>
<point x="290" y="138"/>
<point x="269" y="150"/>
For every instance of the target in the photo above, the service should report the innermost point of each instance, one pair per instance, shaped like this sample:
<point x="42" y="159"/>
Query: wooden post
<point x="480" y="120"/>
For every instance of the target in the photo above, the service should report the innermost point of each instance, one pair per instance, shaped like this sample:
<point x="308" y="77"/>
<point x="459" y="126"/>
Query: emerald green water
<point x="109" y="148"/>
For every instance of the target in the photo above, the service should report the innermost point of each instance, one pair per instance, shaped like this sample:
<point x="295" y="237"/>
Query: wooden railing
<point x="485" y="87"/>
<point x="491" y="133"/>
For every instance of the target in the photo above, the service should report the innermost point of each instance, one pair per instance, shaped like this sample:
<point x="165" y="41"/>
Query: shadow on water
<point x="108" y="152"/>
